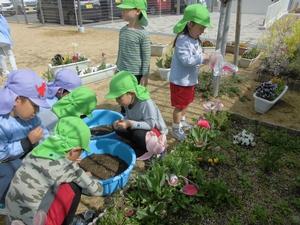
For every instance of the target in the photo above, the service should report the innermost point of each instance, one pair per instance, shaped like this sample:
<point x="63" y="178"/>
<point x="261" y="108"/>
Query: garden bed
<point x="238" y="184"/>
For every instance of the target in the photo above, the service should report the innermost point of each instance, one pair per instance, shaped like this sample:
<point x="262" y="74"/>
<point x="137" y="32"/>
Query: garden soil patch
<point x="103" y="166"/>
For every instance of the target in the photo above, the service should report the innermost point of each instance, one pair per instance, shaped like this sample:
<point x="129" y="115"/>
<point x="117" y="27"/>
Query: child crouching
<point x="143" y="125"/>
<point x="50" y="180"/>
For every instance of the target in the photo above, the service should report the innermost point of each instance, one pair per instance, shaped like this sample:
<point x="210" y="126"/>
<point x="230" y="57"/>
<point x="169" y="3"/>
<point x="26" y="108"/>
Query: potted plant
<point x="208" y="46"/>
<point x="268" y="93"/>
<point x="249" y="57"/>
<point x="75" y="62"/>
<point x="231" y="45"/>
<point x="157" y="49"/>
<point x="164" y="66"/>
<point x="97" y="73"/>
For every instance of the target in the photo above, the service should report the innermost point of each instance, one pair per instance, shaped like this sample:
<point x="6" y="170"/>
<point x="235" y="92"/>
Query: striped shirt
<point x="134" y="51"/>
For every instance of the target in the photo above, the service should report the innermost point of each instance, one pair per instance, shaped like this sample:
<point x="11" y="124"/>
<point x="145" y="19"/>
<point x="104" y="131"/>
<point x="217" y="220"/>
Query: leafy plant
<point x="207" y="43"/>
<point x="217" y="194"/>
<point x="58" y="59"/>
<point x="102" y="66"/>
<point x="164" y="62"/>
<point x="48" y="76"/>
<point x="269" y="161"/>
<point x="278" y="47"/>
<point x="251" y="54"/>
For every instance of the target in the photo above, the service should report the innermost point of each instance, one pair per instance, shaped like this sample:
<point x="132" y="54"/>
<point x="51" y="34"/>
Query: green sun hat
<point x="80" y="101"/>
<point x="69" y="132"/>
<point x="124" y="82"/>
<point x="136" y="4"/>
<point x="196" y="13"/>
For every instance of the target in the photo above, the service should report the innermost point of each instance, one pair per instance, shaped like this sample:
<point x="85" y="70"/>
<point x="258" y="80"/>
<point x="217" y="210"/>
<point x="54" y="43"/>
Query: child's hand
<point x="35" y="135"/>
<point x="122" y="124"/>
<point x="206" y="58"/>
<point x="144" y="81"/>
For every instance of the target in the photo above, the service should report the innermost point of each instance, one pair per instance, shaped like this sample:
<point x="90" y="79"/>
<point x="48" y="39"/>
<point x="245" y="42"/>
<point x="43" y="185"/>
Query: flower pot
<point x="72" y="66"/>
<point x="164" y="73"/>
<point x="230" y="49"/>
<point x="245" y="63"/>
<point x="98" y="75"/>
<point x="262" y="105"/>
<point x="157" y="49"/>
<point x="209" y="49"/>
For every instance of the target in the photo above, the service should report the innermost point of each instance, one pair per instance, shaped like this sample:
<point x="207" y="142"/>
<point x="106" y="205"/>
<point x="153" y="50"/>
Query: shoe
<point x="185" y="125"/>
<point x="178" y="133"/>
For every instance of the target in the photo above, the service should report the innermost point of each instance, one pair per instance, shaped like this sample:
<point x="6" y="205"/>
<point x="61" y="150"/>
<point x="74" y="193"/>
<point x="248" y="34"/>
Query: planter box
<point x="230" y="49"/>
<point x="164" y="73"/>
<point x="98" y="75"/>
<point x="209" y="49"/>
<point x="157" y="49"/>
<point x="262" y="105"/>
<point x="72" y="66"/>
<point x="245" y="63"/>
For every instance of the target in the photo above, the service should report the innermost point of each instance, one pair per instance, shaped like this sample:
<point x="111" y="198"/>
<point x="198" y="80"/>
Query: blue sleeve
<point x="8" y="149"/>
<point x="11" y="134"/>
<point x="186" y="54"/>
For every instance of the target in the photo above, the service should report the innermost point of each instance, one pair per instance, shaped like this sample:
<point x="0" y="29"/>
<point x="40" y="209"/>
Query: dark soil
<point x="101" y="130"/>
<point x="103" y="166"/>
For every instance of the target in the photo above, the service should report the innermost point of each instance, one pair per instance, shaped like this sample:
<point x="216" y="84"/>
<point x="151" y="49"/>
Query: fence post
<point x="226" y="26"/>
<point x="60" y="12"/>
<point x="41" y="12"/>
<point x="237" y="32"/>
<point x="24" y="11"/>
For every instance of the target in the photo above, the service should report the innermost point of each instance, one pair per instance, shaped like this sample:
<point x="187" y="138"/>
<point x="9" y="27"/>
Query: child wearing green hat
<point x="80" y="101"/>
<point x="49" y="183"/>
<point x="185" y="63"/>
<point x="134" y="43"/>
<point x="142" y="115"/>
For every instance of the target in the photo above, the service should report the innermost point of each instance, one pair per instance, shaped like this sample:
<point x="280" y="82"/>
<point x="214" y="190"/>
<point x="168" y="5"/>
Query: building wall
<point x="253" y="6"/>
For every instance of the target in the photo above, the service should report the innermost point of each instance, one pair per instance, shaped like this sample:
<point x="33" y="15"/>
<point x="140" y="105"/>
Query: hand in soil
<point x="101" y="130"/>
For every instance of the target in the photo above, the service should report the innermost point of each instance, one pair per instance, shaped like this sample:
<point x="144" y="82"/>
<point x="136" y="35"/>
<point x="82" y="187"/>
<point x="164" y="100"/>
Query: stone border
<point x="256" y="123"/>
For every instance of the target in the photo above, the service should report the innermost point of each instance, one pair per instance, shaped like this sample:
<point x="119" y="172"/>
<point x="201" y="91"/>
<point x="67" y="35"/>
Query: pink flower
<point x="190" y="189"/>
<point x="173" y="180"/>
<point x="203" y="123"/>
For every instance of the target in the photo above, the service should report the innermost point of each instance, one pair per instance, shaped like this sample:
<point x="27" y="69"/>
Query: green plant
<point x="278" y="46"/>
<point x="218" y="120"/>
<point x="269" y="161"/>
<point x="164" y="62"/>
<point x="259" y="215"/>
<point x="102" y="65"/>
<point x="251" y="54"/>
<point x="48" y="76"/>
<point x="58" y="59"/>
<point x="216" y="194"/>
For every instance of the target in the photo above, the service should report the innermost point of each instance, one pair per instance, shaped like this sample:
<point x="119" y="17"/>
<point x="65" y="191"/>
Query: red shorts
<point x="181" y="96"/>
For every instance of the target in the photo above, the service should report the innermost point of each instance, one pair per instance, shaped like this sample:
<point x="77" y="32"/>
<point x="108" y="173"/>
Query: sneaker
<point x="185" y="125"/>
<point x="178" y="133"/>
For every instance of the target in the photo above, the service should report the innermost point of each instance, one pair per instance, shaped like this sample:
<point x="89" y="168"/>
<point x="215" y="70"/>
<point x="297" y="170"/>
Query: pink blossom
<point x="203" y="123"/>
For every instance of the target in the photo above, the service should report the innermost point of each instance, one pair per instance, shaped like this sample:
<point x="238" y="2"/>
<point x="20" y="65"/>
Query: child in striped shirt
<point x="134" y="43"/>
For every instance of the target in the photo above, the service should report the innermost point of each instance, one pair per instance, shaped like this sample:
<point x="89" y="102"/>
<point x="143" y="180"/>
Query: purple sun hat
<point x="24" y="83"/>
<point x="66" y="79"/>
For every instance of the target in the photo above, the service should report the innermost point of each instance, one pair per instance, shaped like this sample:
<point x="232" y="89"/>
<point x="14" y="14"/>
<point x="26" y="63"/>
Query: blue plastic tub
<point x="115" y="148"/>
<point x="103" y="117"/>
